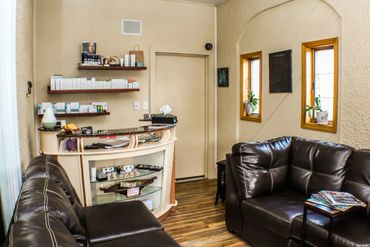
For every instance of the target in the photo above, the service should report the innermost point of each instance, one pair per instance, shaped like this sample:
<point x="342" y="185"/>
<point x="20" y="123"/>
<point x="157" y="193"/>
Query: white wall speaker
<point x="131" y="27"/>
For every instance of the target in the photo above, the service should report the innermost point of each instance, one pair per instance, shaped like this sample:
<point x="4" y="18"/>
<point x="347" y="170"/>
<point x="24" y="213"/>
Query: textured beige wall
<point x="168" y="26"/>
<point x="24" y="74"/>
<point x="281" y="112"/>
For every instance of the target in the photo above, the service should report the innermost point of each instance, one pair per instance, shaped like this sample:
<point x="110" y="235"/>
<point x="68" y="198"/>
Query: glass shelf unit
<point x="115" y="197"/>
<point x="142" y="174"/>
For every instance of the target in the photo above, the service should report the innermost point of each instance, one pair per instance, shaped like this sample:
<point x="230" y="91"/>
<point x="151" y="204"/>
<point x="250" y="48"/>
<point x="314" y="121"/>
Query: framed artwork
<point x="88" y="47"/>
<point x="280" y="67"/>
<point x="223" y="77"/>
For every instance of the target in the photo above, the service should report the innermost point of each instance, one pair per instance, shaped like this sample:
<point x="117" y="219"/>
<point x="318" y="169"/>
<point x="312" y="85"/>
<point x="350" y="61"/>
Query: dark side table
<point x="325" y="211"/>
<point x="220" y="180"/>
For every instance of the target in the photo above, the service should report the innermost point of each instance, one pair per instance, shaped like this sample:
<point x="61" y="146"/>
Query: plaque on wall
<point x="280" y="66"/>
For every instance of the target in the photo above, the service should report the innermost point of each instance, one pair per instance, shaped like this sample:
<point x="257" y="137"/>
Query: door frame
<point x="210" y="103"/>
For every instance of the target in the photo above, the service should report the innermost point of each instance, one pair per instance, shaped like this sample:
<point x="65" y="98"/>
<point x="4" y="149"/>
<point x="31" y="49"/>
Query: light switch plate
<point x="145" y="105"/>
<point x="136" y="105"/>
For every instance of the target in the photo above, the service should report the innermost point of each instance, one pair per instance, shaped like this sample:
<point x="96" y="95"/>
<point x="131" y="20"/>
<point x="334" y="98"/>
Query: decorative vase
<point x="49" y="120"/>
<point x="322" y="117"/>
<point x="248" y="108"/>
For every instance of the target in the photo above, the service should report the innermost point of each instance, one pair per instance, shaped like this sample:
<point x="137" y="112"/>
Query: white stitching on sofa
<point x="46" y="205"/>
<point x="51" y="233"/>
<point x="269" y="212"/>
<point x="55" y="193"/>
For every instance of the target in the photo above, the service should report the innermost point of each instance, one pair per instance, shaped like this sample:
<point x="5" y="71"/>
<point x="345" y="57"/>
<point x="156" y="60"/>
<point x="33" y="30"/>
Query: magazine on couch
<point x="337" y="200"/>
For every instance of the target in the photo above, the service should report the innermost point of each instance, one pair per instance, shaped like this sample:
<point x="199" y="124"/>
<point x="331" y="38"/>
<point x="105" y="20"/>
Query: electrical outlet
<point x="145" y="105"/>
<point x="136" y="105"/>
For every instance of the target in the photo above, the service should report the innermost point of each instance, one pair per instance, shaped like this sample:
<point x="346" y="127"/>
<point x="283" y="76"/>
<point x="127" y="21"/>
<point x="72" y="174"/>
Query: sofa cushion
<point x="153" y="239"/>
<point x="260" y="168"/>
<point x="40" y="195"/>
<point x="117" y="220"/>
<point x="39" y="230"/>
<point x="47" y="166"/>
<point x="358" y="177"/>
<point x="317" y="165"/>
<point x="348" y="230"/>
<point x="275" y="211"/>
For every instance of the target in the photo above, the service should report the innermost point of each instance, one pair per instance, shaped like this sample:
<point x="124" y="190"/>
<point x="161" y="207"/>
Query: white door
<point x="180" y="82"/>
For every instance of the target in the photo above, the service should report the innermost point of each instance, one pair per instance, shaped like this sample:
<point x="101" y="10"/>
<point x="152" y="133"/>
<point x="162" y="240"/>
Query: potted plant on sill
<point x="321" y="115"/>
<point x="251" y="103"/>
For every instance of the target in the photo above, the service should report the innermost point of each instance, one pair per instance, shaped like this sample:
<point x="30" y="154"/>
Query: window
<point x="320" y="85"/>
<point x="10" y="165"/>
<point x="251" y="86"/>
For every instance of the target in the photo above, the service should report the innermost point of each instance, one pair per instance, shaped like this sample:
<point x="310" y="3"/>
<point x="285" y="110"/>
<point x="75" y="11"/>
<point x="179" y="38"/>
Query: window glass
<point x="324" y="79"/>
<point x="255" y="80"/>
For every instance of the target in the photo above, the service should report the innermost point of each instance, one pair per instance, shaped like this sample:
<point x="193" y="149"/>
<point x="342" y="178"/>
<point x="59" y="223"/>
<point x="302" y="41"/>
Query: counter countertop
<point x="114" y="132"/>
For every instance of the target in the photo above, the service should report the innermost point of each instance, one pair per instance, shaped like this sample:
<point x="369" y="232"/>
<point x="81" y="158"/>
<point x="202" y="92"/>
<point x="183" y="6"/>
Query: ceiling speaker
<point x="131" y="27"/>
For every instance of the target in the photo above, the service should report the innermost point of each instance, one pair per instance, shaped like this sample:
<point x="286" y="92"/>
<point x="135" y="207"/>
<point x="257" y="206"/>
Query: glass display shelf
<point x="116" y="197"/>
<point x="142" y="174"/>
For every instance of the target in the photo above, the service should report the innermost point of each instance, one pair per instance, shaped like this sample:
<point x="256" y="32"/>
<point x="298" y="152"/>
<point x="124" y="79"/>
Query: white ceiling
<point x="210" y="2"/>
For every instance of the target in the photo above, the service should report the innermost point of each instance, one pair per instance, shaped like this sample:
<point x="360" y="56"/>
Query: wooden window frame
<point x="310" y="47"/>
<point x="245" y="87"/>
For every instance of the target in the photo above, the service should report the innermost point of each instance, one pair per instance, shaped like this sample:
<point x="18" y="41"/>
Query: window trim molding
<point x="309" y="47"/>
<point x="248" y="57"/>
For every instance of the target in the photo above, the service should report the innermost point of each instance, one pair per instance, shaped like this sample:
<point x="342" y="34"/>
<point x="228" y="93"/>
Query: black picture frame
<point x="223" y="77"/>
<point x="280" y="72"/>
<point x="88" y="47"/>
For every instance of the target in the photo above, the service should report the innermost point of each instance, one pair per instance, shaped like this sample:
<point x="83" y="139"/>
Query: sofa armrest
<point x="260" y="167"/>
<point x="232" y="202"/>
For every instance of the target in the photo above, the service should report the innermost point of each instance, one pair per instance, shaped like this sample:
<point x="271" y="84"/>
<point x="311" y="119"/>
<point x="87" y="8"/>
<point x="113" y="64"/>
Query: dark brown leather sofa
<point x="49" y="213"/>
<point x="267" y="183"/>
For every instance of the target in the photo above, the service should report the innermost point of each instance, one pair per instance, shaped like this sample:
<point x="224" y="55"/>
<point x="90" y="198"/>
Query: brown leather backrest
<point x="317" y="165"/>
<point x="39" y="230"/>
<point x="47" y="166"/>
<point x="358" y="177"/>
<point x="40" y="195"/>
<point x="260" y="167"/>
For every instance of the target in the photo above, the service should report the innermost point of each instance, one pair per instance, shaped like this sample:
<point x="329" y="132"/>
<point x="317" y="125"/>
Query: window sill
<point x="330" y="127"/>
<point x="252" y="118"/>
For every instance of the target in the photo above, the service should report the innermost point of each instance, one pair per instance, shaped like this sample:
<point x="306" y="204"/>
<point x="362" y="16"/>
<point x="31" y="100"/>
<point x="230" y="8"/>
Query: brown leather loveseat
<point x="49" y="213"/>
<point x="267" y="183"/>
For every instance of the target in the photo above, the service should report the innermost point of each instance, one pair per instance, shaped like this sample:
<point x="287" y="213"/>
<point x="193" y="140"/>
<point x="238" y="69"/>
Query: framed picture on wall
<point x="223" y="77"/>
<point x="88" y="47"/>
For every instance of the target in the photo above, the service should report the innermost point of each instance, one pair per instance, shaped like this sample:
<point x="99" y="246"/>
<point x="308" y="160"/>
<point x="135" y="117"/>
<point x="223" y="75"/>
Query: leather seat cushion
<point x="275" y="211"/>
<point x="348" y="230"/>
<point x="40" y="230"/>
<point x="260" y="167"/>
<point x="117" y="220"/>
<point x="153" y="239"/>
<point x="47" y="166"/>
<point x="40" y="195"/>
<point x="358" y="177"/>
<point x="317" y="165"/>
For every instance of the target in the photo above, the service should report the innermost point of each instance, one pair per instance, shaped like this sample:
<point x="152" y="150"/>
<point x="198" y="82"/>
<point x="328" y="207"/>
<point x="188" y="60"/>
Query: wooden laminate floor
<point x="197" y="222"/>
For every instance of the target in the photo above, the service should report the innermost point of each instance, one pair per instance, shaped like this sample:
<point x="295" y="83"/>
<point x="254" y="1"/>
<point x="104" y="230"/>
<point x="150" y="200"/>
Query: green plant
<point x="315" y="107"/>
<point x="252" y="100"/>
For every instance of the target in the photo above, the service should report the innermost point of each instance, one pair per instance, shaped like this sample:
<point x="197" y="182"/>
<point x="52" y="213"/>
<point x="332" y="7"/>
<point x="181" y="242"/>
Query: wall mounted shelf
<point x="88" y="67"/>
<point x="118" y="90"/>
<point x="88" y="114"/>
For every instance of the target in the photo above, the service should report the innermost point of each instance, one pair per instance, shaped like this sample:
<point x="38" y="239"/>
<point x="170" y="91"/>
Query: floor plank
<point x="197" y="222"/>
